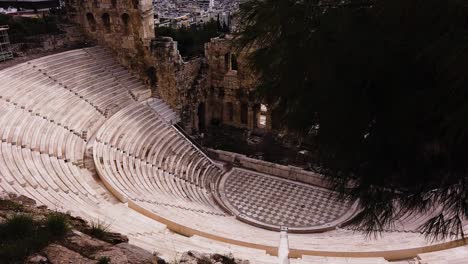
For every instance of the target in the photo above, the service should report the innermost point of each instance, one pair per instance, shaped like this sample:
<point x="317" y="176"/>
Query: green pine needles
<point x="381" y="86"/>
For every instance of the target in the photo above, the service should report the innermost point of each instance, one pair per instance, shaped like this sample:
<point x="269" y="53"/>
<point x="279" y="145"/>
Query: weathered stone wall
<point x="287" y="172"/>
<point x="232" y="84"/>
<point x="125" y="26"/>
<point x="71" y="38"/>
<point x="181" y="84"/>
<point x="169" y="60"/>
<point x="204" y="91"/>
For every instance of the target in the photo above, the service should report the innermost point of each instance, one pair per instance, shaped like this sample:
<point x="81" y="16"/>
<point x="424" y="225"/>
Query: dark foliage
<point x="20" y="235"/>
<point x="98" y="229"/>
<point x="191" y="40"/>
<point x="57" y="224"/>
<point x="104" y="260"/>
<point x="23" y="27"/>
<point x="382" y="85"/>
<point x="10" y="205"/>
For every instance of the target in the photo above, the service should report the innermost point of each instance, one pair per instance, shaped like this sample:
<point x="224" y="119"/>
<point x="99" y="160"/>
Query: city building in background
<point x="179" y="13"/>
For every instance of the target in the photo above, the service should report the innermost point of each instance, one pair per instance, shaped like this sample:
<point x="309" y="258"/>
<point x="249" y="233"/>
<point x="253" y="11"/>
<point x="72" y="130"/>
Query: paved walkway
<point x="278" y="202"/>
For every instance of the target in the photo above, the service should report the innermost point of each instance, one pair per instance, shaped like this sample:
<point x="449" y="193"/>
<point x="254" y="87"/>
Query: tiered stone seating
<point x="156" y="187"/>
<point x="144" y="161"/>
<point x="164" y="111"/>
<point x="89" y="74"/>
<point x="49" y="108"/>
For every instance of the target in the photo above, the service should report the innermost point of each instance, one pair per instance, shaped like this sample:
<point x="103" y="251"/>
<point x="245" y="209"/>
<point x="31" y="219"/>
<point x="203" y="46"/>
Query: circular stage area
<point x="271" y="202"/>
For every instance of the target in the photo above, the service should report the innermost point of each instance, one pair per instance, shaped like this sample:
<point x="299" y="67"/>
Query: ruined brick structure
<point x="231" y="98"/>
<point x="125" y="26"/>
<point x="216" y="89"/>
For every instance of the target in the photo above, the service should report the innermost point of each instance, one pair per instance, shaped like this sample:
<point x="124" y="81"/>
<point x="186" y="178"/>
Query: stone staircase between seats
<point x="154" y="186"/>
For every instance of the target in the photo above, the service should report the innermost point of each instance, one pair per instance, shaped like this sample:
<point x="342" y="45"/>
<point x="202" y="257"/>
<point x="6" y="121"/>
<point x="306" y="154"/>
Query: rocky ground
<point x="80" y="247"/>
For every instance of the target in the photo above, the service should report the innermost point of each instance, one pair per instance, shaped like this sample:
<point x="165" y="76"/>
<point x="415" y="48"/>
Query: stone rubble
<point x="80" y="248"/>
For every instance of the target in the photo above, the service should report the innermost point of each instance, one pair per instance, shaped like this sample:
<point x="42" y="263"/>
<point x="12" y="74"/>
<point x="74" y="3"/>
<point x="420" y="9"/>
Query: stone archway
<point x="152" y="77"/>
<point x="91" y="22"/>
<point x="106" y="22"/>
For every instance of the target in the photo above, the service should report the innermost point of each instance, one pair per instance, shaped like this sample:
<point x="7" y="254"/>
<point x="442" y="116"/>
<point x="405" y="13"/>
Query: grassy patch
<point x="57" y="224"/>
<point x="104" y="260"/>
<point x="98" y="229"/>
<point x="20" y="235"/>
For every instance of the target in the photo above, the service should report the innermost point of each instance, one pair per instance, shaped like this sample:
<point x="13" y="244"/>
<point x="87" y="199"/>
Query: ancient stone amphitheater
<point x="80" y="134"/>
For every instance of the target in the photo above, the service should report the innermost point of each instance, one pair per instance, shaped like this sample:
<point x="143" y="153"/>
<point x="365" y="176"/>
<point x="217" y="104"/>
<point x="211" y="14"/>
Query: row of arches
<point x="106" y="22"/>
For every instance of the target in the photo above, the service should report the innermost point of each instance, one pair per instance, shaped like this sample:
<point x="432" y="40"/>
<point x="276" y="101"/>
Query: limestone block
<point x="127" y="254"/>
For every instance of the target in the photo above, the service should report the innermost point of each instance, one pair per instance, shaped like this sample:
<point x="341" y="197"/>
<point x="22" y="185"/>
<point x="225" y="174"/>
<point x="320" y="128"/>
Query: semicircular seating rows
<point x="157" y="188"/>
<point x="49" y="107"/>
<point x="144" y="161"/>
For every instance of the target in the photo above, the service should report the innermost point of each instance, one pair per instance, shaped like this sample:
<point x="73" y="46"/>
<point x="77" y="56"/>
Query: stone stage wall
<point x="217" y="88"/>
<point x="286" y="172"/>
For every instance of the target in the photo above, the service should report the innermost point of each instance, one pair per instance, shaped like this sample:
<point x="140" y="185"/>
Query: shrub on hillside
<point x="191" y="40"/>
<point x="57" y="224"/>
<point x="21" y="235"/>
<point x="98" y="229"/>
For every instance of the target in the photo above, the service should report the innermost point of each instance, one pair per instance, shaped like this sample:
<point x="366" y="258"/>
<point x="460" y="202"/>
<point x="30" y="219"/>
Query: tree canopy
<point x="383" y="85"/>
<point x="23" y="27"/>
<point x="191" y="40"/>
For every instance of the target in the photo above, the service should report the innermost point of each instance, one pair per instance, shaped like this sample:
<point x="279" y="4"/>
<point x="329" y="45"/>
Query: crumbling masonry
<point x="216" y="89"/>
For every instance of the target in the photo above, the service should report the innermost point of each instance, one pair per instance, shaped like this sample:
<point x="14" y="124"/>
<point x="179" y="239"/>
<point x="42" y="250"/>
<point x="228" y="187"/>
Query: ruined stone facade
<point x="217" y="89"/>
<point x="125" y="26"/>
<point x="182" y="84"/>
<point x="231" y="98"/>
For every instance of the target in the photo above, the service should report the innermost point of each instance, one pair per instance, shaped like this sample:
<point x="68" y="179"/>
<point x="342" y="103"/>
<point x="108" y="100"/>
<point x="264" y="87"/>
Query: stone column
<point x="251" y="117"/>
<point x="268" y="121"/>
<point x="237" y="113"/>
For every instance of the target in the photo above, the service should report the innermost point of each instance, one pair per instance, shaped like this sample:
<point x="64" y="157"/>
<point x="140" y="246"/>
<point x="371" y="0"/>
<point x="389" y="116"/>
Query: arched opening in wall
<point x="91" y="22"/>
<point x="135" y="4"/>
<point x="106" y="22"/>
<point x="233" y="62"/>
<point x="151" y="74"/>
<point x="227" y="61"/>
<point x="201" y="117"/>
<point x="114" y="3"/>
<point x="229" y="112"/>
<point x="244" y="113"/>
<point x="262" y="116"/>
<point x="125" y="23"/>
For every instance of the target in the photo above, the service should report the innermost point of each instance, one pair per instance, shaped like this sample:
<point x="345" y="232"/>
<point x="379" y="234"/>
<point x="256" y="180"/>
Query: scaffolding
<point x="5" y="49"/>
